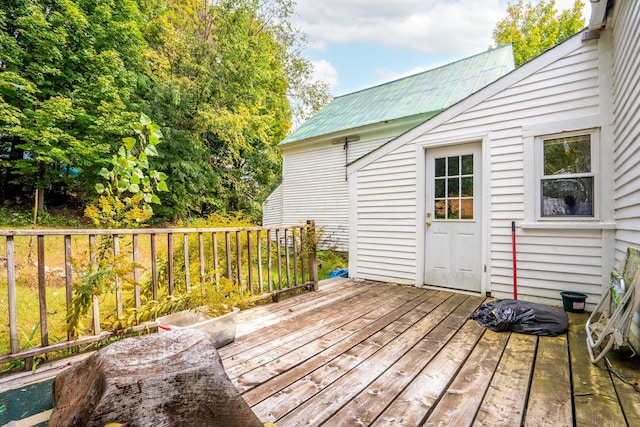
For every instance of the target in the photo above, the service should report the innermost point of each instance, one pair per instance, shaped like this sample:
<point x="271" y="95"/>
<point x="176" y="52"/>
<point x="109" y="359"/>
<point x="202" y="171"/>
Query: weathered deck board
<point x="420" y="397"/>
<point x="595" y="400"/>
<point x="376" y="354"/>
<point x="367" y="406"/>
<point x="459" y="404"/>
<point x="346" y="334"/>
<point x="506" y="398"/>
<point x="333" y="397"/>
<point x="548" y="403"/>
<point x="281" y="340"/>
<point x="628" y="386"/>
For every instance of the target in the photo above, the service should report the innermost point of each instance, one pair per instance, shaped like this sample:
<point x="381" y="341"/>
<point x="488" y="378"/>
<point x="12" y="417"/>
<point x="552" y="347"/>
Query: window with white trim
<point x="567" y="175"/>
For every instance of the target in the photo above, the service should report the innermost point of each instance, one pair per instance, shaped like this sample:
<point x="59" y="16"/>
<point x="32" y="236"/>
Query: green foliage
<point x="218" y="301"/>
<point x="218" y="77"/>
<point x="331" y="260"/>
<point x="221" y="79"/>
<point x="78" y="61"/>
<point x="130" y="189"/>
<point x="99" y="280"/>
<point x="533" y="28"/>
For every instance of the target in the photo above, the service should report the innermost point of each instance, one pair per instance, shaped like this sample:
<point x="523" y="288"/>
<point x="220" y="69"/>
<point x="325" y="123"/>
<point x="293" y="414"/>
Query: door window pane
<point x="453" y="187"/>
<point x="467" y="186"/>
<point x="453" y="166"/>
<point x="467" y="165"/>
<point x="440" y="188"/>
<point x="466" y="209"/>
<point x="440" y="169"/>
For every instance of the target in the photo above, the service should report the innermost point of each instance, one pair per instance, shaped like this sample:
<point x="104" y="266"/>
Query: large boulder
<point x="171" y="379"/>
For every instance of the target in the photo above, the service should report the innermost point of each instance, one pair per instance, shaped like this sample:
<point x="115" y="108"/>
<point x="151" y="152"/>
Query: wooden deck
<point x="363" y="353"/>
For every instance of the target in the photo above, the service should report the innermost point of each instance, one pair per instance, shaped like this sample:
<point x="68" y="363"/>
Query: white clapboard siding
<point x="272" y="208"/>
<point x="551" y="260"/>
<point x="314" y="187"/>
<point x="386" y="219"/>
<point x="626" y="93"/>
<point x="315" y="184"/>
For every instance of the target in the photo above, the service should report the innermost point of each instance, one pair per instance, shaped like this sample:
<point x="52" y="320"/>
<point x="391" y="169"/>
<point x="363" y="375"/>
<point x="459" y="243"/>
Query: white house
<point x="552" y="146"/>
<point x="315" y="156"/>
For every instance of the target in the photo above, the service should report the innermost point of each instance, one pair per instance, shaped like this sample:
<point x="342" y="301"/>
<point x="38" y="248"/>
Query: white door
<point x="453" y="217"/>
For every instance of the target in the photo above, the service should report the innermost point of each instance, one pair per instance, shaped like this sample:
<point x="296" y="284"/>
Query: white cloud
<point x="454" y="27"/>
<point x="324" y="71"/>
<point x="440" y="27"/>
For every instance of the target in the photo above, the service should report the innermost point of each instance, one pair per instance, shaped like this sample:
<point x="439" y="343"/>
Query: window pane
<point x="567" y="155"/>
<point x="467" y="164"/>
<point x="467" y="209"/>
<point x="453" y="187"/>
<point x="440" y="209"/>
<point x="453" y="165"/>
<point x="561" y="197"/>
<point x="467" y="186"/>
<point x="440" y="167"/>
<point x="440" y="188"/>
<point x="454" y="209"/>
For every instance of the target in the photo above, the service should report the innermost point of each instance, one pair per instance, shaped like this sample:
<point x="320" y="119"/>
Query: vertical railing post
<point x="13" y="300"/>
<point x="313" y="258"/>
<point x="216" y="265"/>
<point x="187" y="267"/>
<point x="249" y="263"/>
<point x="136" y="272"/>
<point x="259" y="256"/>
<point x="227" y="240"/>
<point x="171" y="277"/>
<point x="154" y="266"/>
<point x="287" y="256"/>
<point x="279" y="259"/>
<point x="116" y="253"/>
<point x="95" y="306"/>
<point x="303" y="251"/>
<point x="68" y="276"/>
<point x="295" y="257"/>
<point x="42" y="291"/>
<point x="201" y="254"/>
<point x="269" y="262"/>
<point x="239" y="259"/>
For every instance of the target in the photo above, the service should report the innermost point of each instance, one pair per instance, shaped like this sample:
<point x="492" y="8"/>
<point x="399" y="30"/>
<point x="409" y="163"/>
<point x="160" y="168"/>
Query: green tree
<point x="533" y="28"/>
<point x="80" y="61"/>
<point x="221" y="84"/>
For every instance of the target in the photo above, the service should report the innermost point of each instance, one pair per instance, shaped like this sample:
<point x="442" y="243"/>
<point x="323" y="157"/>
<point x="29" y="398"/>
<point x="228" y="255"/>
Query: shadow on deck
<point x="366" y="353"/>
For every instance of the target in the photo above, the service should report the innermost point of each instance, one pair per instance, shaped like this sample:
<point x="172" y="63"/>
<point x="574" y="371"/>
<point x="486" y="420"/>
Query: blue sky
<point x="355" y="44"/>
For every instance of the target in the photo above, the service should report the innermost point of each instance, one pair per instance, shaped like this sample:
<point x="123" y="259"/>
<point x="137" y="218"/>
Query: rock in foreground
<point x="172" y="379"/>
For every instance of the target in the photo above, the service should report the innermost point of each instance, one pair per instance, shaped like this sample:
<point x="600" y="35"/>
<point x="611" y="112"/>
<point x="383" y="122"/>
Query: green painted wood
<point x="17" y="404"/>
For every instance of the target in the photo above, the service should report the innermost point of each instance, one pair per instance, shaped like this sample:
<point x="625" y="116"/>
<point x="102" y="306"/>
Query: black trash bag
<point x="521" y="316"/>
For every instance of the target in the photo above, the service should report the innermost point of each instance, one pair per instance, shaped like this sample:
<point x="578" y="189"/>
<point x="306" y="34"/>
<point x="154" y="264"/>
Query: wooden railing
<point x="261" y="262"/>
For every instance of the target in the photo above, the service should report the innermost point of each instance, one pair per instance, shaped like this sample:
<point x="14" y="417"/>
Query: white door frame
<point x="421" y="194"/>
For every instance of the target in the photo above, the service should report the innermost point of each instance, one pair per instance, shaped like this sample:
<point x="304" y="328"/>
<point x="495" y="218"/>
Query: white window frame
<point x="539" y="176"/>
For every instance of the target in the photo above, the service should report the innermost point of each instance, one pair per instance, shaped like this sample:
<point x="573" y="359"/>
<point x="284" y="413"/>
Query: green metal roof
<point x="427" y="92"/>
